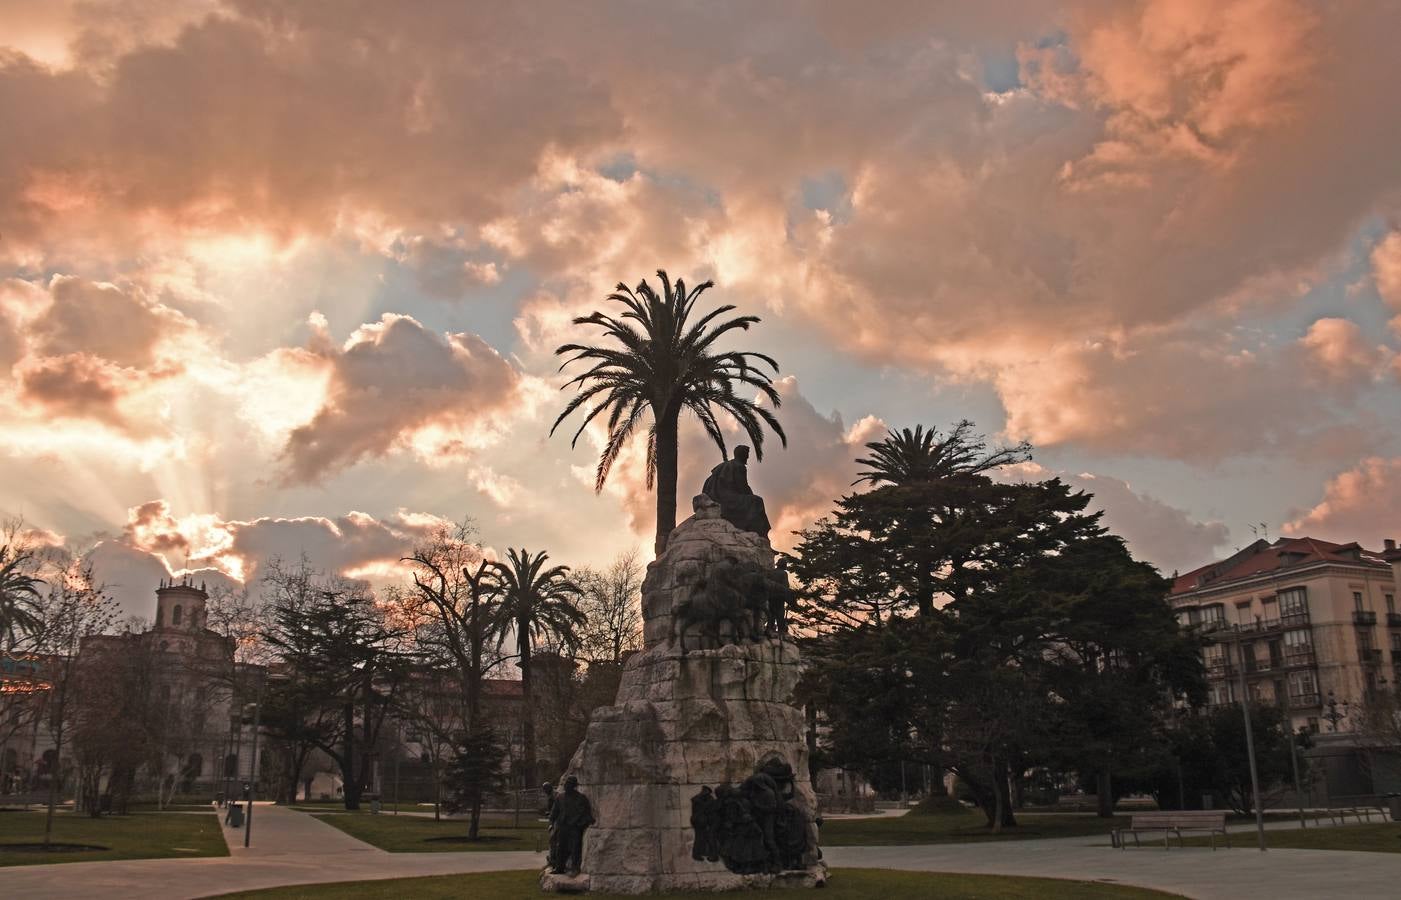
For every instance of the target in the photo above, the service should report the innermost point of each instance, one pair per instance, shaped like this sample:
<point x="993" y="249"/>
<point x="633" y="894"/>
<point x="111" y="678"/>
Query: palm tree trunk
<point x="528" y="706"/>
<point x="666" y="474"/>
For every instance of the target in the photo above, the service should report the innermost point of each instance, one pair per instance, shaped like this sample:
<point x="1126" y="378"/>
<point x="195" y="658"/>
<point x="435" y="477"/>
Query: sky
<point x="286" y="278"/>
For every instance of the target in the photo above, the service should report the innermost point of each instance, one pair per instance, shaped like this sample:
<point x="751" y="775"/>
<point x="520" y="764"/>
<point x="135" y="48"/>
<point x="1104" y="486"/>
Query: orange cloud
<point x="394" y="384"/>
<point x="1359" y="504"/>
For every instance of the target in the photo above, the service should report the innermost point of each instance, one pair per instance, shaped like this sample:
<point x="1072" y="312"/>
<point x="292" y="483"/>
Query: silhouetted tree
<point x="660" y="361"/>
<point x="533" y="600"/>
<point x="908" y="456"/>
<point x="19" y="585"/>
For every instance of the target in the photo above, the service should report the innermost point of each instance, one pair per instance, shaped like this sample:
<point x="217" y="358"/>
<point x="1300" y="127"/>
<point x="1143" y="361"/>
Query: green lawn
<point x="137" y="836"/>
<point x="846" y="884"/>
<point x="1380" y="838"/>
<point x="415" y="834"/>
<point x="956" y="827"/>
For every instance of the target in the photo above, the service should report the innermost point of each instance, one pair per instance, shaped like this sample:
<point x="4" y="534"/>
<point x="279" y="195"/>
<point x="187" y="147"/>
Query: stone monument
<point x="698" y="774"/>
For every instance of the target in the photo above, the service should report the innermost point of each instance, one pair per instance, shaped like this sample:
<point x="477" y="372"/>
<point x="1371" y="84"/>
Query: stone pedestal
<point x="681" y="721"/>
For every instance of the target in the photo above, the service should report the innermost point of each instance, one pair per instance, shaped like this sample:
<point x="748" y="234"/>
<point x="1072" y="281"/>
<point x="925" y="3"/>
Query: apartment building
<point x="1298" y="622"/>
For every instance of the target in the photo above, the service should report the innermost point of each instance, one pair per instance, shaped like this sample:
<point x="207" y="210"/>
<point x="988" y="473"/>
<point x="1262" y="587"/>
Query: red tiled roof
<point x="502" y="687"/>
<point x="1263" y="556"/>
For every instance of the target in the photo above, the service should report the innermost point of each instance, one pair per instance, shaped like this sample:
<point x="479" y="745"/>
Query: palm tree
<point x="909" y="456"/>
<point x="19" y="590"/>
<point x="664" y="363"/>
<point x="533" y="602"/>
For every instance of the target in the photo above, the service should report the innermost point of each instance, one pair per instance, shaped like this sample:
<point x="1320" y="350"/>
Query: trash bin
<point x="235" y="817"/>
<point x="1393" y="801"/>
<point x="375" y="807"/>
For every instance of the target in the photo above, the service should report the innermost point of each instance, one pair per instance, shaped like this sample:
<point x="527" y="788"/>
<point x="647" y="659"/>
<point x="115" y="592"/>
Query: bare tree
<point x="449" y="611"/>
<point x="73" y="609"/>
<point x="612" y="604"/>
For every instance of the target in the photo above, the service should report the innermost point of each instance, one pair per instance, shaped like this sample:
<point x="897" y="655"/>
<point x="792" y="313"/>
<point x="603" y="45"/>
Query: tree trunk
<point x="54" y="773"/>
<point x="349" y="783"/>
<point x="528" y="705"/>
<point x="1104" y="794"/>
<point x="666" y="474"/>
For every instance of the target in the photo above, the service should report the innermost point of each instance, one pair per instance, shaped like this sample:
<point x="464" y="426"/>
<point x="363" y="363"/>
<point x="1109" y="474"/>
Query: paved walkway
<point x="290" y="847"/>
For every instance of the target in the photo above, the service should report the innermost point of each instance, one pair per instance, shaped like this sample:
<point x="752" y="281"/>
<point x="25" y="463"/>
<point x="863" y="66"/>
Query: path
<point x="294" y="848"/>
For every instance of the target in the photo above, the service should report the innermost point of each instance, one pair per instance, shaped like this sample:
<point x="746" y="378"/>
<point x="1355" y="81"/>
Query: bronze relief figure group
<point x="757" y="827"/>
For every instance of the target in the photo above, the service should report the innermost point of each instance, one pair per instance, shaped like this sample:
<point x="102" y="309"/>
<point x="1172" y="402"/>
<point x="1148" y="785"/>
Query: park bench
<point x="1170" y="823"/>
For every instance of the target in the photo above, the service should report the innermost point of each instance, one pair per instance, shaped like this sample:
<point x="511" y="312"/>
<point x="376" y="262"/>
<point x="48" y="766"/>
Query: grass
<point x="846" y="884"/>
<point x="419" y="834"/>
<point x="137" y="836"/>
<point x="1381" y="838"/>
<point x="958" y="826"/>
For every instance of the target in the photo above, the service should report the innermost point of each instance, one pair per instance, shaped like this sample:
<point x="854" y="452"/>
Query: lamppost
<point x="253" y="765"/>
<point x="1250" y="754"/>
<point x="1332" y="715"/>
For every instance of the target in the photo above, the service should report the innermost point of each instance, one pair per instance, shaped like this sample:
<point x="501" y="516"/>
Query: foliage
<point x="980" y="626"/>
<point x="658" y="359"/>
<point x="475" y="772"/>
<point x="341" y="664"/>
<point x="611" y="602"/>
<point x="19" y="585"/>
<point x="1211" y="750"/>
<point x="534" y="601"/>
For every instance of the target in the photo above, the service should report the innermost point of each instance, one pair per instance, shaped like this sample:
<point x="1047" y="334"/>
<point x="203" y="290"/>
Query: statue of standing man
<point x="728" y="485"/>
<point x="570" y="817"/>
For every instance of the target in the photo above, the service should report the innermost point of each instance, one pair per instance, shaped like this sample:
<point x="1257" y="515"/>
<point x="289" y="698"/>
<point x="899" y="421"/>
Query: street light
<point x="1332" y="715"/>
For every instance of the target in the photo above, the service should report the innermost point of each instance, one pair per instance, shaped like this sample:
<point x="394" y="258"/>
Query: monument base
<point x="698" y="713"/>
<point x="557" y="883"/>
<point x="814" y="876"/>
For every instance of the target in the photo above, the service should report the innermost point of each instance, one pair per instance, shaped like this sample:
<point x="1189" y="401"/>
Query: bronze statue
<point x="720" y="596"/>
<point x="705" y="820"/>
<point x="754" y="828"/>
<point x="570" y="817"/>
<point x="728" y="485"/>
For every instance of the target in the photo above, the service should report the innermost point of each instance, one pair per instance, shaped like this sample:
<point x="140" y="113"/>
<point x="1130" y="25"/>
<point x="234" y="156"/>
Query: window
<point x="1213" y="613"/>
<point x="1391" y="603"/>
<point x="1220" y="694"/>
<point x="158" y="616"/>
<point x="1313" y="724"/>
<point x="1357" y="600"/>
<point x="1396" y="642"/>
<point x="1302" y="684"/>
<point x="1297" y="639"/>
<point x="1215" y="655"/>
<point x="175" y="615"/>
<point x="1294" y="602"/>
<point x="1364" y="639"/>
<point x="1243" y="609"/>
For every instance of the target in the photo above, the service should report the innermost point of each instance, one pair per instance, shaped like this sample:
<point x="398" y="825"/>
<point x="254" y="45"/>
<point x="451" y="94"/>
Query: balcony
<point x="1369" y="656"/>
<point x="1300" y="658"/>
<point x="1257" y="666"/>
<point x="1220" y="670"/>
<point x="1304" y="701"/>
<point x="1364" y="617"/>
<point x="1393" y="620"/>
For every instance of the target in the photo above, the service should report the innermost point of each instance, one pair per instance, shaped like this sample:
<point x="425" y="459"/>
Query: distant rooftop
<point x="1263" y="556"/>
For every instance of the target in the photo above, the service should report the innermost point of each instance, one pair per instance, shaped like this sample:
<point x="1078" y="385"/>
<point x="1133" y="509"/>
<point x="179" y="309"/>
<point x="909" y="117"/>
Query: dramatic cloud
<point x="355" y="544"/>
<point x="1359" y="504"/>
<point x="1155" y="531"/>
<point x="1115" y="223"/>
<point x="395" y="384"/>
<point x="1341" y="352"/>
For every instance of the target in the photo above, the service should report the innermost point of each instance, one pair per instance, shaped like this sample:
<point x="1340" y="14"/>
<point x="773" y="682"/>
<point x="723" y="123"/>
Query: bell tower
<point x="180" y="605"/>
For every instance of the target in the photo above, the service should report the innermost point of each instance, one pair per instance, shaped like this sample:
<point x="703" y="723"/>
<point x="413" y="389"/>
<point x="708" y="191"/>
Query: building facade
<point x="1305" y="624"/>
